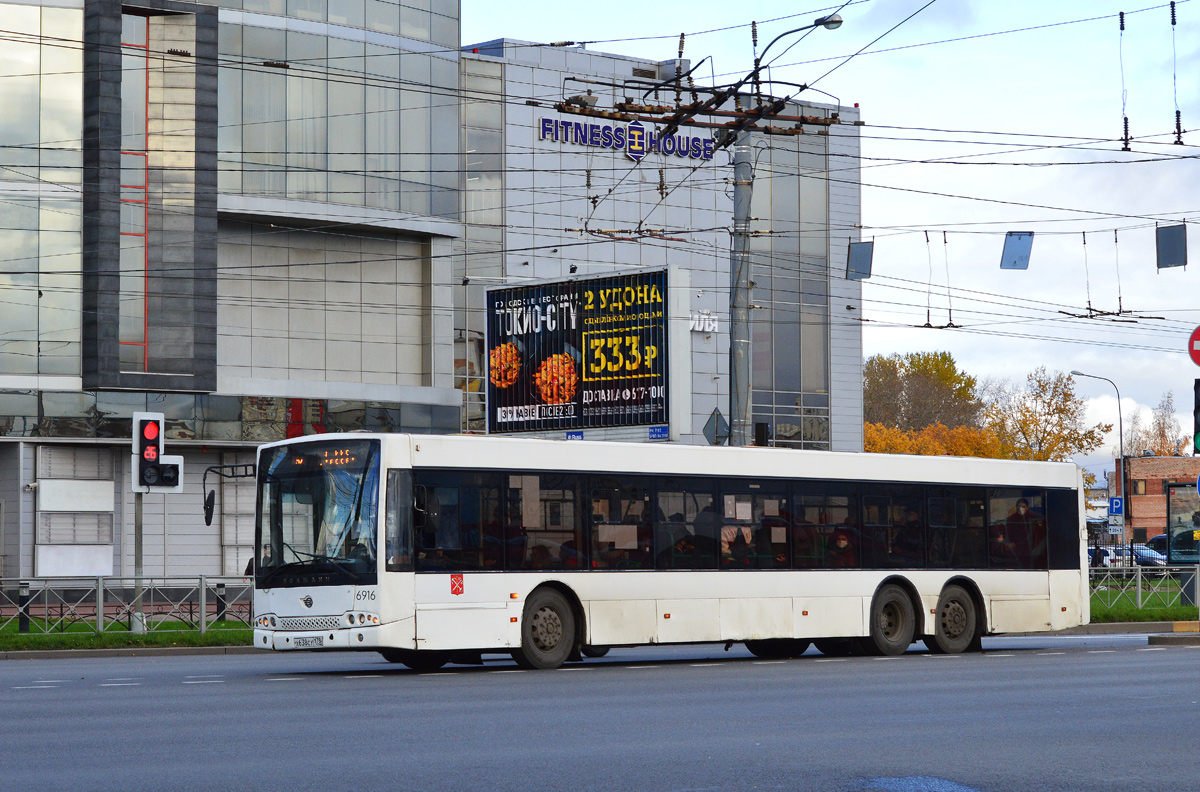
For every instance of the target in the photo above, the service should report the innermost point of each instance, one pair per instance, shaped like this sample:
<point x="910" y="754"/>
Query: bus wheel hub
<point x="546" y="629"/>
<point x="954" y="619"/>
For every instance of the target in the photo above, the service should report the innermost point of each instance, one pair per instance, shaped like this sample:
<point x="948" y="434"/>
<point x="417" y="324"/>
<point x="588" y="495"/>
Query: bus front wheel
<point x="954" y="623"/>
<point x="893" y="621"/>
<point x="417" y="661"/>
<point x="547" y="630"/>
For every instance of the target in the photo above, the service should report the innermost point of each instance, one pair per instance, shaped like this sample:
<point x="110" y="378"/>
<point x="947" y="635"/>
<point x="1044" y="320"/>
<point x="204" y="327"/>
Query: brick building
<point x="1146" y="505"/>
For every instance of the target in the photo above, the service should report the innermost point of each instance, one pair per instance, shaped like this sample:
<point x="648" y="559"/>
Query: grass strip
<point x="11" y="641"/>
<point x="1127" y="612"/>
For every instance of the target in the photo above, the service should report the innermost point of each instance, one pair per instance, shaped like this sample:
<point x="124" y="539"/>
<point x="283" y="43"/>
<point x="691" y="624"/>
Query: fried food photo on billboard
<point x="556" y="379"/>
<point x="504" y="364"/>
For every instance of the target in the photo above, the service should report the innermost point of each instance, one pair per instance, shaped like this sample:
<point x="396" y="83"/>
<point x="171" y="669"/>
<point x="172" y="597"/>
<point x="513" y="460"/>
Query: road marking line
<point x="1048" y="654"/>
<point x="885" y="658"/>
<point x="1000" y="654"/>
<point x="1102" y="651"/>
<point x="768" y="662"/>
<point x="362" y="676"/>
<point x="1153" y="649"/>
<point x="284" y="679"/>
<point x="577" y="669"/>
<point x="34" y="687"/>
<point x="204" y="681"/>
<point x="640" y="667"/>
<point x="832" y="659"/>
<point x="120" y="684"/>
<point x="122" y="679"/>
<point x="47" y="681"/>
<point x="204" y="676"/>
<point x="511" y="671"/>
<point x="703" y="665"/>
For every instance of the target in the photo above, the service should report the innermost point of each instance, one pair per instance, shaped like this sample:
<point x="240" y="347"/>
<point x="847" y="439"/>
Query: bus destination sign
<point x="578" y="354"/>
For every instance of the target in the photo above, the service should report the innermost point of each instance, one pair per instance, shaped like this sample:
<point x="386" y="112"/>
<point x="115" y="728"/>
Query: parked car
<point x="1109" y="556"/>
<point x="1157" y="543"/>
<point x="1144" y="556"/>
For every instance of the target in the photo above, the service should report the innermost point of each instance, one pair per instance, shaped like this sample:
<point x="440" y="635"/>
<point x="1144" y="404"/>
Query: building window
<point x="1139" y="486"/>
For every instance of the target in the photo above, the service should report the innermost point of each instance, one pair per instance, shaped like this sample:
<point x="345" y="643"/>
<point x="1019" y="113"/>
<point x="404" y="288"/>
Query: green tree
<point x="1043" y="420"/>
<point x="919" y="389"/>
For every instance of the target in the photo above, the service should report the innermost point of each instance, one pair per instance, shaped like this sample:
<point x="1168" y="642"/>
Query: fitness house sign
<point x="633" y="138"/>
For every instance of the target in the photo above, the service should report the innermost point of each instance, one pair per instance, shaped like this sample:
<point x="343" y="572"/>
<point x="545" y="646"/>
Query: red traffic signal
<point x="149" y="451"/>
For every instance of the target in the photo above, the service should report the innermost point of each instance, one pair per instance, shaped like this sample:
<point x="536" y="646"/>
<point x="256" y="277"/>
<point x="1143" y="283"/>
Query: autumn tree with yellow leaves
<point x="1041" y="420"/>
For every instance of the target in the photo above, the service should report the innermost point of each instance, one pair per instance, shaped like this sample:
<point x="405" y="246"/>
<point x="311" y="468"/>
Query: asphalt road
<point x="1039" y="714"/>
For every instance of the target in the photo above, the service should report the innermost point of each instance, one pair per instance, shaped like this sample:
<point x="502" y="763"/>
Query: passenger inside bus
<point x="841" y="553"/>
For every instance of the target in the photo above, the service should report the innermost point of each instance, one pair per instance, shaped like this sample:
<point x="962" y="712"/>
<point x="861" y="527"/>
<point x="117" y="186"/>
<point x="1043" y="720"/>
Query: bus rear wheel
<point x="893" y="621"/>
<point x="954" y="623"/>
<point x="417" y="661"/>
<point x="778" y="648"/>
<point x="547" y="630"/>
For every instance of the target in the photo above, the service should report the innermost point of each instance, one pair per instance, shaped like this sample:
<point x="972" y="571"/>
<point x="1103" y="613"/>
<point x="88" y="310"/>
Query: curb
<point x="148" y="651"/>
<point x="1176" y="639"/>
<point x="1168" y="633"/>
<point x="1111" y="628"/>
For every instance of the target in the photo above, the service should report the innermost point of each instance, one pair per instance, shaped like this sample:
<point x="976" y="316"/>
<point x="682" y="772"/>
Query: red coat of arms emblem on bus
<point x="456" y="584"/>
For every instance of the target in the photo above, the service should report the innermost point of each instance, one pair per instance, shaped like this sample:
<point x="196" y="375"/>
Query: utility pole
<point x="739" y="294"/>
<point x="734" y="127"/>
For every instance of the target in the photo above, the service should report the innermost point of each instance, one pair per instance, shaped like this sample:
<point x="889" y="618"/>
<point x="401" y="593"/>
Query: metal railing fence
<point x="110" y="604"/>
<point x="202" y="603"/>
<point x="1146" y="586"/>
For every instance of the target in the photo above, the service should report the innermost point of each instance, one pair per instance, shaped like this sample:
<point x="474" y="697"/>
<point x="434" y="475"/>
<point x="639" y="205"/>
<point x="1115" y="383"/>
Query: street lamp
<point x="831" y="22"/>
<point x="1120" y="435"/>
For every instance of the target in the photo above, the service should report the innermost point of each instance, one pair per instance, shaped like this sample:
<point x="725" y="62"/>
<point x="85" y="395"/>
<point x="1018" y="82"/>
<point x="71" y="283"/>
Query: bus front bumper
<point x="341" y="639"/>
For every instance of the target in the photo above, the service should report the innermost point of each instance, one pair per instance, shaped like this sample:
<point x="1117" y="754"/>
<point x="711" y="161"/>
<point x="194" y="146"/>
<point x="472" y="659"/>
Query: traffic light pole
<point x="138" y="624"/>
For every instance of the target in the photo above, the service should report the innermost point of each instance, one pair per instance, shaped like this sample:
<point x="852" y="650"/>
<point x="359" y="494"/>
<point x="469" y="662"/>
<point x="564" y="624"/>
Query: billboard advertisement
<point x="576" y="354"/>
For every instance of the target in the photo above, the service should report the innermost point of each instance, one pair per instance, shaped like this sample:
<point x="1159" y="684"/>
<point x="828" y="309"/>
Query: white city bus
<point x="432" y="549"/>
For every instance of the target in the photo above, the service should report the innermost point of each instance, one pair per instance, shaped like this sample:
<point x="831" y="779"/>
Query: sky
<point x="1021" y="104"/>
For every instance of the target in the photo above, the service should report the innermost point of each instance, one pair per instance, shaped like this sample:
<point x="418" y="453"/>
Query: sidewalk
<point x="1160" y="633"/>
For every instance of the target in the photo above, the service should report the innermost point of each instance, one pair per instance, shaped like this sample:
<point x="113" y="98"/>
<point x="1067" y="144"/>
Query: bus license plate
<point x="309" y="643"/>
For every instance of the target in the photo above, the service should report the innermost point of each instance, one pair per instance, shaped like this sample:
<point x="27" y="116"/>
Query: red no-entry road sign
<point x="1194" y="346"/>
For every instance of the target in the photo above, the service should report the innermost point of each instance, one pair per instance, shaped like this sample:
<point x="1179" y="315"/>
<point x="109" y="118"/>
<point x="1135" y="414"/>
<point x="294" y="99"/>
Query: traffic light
<point x="152" y="470"/>
<point x="149" y="440"/>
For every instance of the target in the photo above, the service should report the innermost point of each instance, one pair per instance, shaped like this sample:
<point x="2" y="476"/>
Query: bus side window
<point x="621" y="528"/>
<point x="438" y="533"/>
<point x="1062" y="514"/>
<point x="546" y="531"/>
<point x="1017" y="529"/>
<point x="687" y="528"/>
<point x="943" y="525"/>
<point x="398" y="521"/>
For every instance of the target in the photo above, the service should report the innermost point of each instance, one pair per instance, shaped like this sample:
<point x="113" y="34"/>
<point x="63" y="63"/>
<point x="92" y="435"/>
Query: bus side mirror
<point x="210" y="501"/>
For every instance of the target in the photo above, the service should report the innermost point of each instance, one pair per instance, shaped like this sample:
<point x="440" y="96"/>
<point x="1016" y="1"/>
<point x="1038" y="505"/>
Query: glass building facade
<point x="239" y="213"/>
<point x="789" y="270"/>
<point x="339" y="102"/>
<point x="41" y="93"/>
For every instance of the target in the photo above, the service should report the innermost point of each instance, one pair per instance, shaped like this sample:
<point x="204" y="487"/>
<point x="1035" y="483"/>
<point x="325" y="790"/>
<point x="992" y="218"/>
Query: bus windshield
<point x="317" y="515"/>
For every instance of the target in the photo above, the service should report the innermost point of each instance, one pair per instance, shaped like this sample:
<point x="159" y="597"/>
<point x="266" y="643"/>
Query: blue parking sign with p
<point x="1116" y="506"/>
